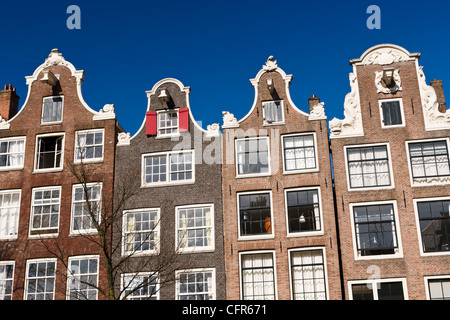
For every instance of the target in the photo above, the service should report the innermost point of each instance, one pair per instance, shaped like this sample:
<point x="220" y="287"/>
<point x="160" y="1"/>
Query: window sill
<point x="300" y="171"/>
<point x="305" y="234"/>
<point x="167" y="184"/>
<point x="258" y="237"/>
<point x="10" y="168"/>
<point x="195" y="250"/>
<point x="371" y="188"/>
<point x="257" y="175"/>
<point x="397" y="255"/>
<point x="47" y="170"/>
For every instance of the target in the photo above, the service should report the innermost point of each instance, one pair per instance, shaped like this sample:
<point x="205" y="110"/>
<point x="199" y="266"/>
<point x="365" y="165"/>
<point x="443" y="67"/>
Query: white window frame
<point x="93" y="160"/>
<point x="168" y="182"/>
<point x="292" y="250"/>
<point x="6" y="263"/>
<point x="272" y="225"/>
<point x="428" y="278"/>
<point x="402" y="113"/>
<point x="135" y="275"/>
<point x="252" y="175"/>
<point x="283" y="156"/>
<point x="9" y="139"/>
<point x="36" y="151"/>
<point x="211" y="293"/>
<point x="70" y="276"/>
<point x="303" y="233"/>
<point x="274" y="123"/>
<point x="194" y="249"/>
<point x="31" y="229"/>
<point x="72" y="216"/>
<point x="14" y="236"/>
<point x="374" y="283"/>
<point x="158" y="128"/>
<point x="241" y="289"/>
<point x="419" y="233"/>
<point x="391" y="172"/>
<point x="433" y="181"/>
<point x="398" y="253"/>
<point x="25" y="291"/>
<point x="155" y="229"/>
<point x="62" y="110"/>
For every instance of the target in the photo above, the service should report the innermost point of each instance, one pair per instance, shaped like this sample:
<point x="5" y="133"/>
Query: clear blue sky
<point x="215" y="47"/>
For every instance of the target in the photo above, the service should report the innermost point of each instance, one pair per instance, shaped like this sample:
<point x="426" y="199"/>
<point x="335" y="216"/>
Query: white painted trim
<point x="383" y="126"/>
<point x="42" y="111"/>
<point x="374" y="283"/>
<point x="72" y="210"/>
<point x="291" y="250"/>
<point x="168" y="182"/>
<point x="398" y="253"/>
<point x="430" y="183"/>
<point x="419" y="233"/>
<point x="94" y="160"/>
<point x="391" y="172"/>
<point x="25" y="289"/>
<point x="272" y="224"/>
<point x="385" y="47"/>
<point x="169" y="135"/>
<point x="436" y="277"/>
<point x="196" y="249"/>
<point x="17" y="138"/>
<point x="252" y="175"/>
<point x="304" y="233"/>
<point x="10" y="191"/>
<point x="242" y="253"/>
<point x="316" y="169"/>
<point x="69" y="272"/>
<point x="36" y="149"/>
<point x="187" y="271"/>
<point x="137" y="274"/>
<point x="30" y="227"/>
<point x="277" y="123"/>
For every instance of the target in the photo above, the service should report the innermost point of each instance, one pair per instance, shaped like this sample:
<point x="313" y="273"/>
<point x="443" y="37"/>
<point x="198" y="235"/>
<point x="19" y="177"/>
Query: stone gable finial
<point x="270" y="64"/>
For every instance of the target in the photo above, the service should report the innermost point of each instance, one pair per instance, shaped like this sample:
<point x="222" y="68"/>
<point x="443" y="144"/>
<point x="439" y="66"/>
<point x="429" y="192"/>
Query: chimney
<point x="437" y="85"/>
<point x="313" y="101"/>
<point x="9" y="102"/>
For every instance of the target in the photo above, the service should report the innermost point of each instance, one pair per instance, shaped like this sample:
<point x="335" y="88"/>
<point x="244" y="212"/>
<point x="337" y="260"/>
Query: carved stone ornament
<point x="4" y="125"/>
<point x="270" y="64"/>
<point x="434" y="119"/>
<point x="385" y="56"/>
<point x="55" y="58"/>
<point x="123" y="139"/>
<point x="229" y="121"/>
<point x="351" y="125"/>
<point x="382" y="88"/>
<point x="318" y="112"/>
<point x="106" y="113"/>
<point x="213" y="130"/>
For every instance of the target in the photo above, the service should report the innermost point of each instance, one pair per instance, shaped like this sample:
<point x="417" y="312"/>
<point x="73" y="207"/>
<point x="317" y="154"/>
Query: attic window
<point x="273" y="112"/>
<point x="52" y="109"/>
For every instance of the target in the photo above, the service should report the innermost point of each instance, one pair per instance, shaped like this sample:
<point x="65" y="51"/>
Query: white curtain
<point x="9" y="214"/>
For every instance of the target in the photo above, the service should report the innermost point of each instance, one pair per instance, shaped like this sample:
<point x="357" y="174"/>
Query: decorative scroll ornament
<point x="213" y="130"/>
<point x="385" y="56"/>
<point x="123" y="139"/>
<point x="270" y="64"/>
<point x="106" y="113"/>
<point x="351" y="125"/>
<point x="382" y="88"/>
<point x="318" y="112"/>
<point x="4" y="125"/>
<point x="229" y="121"/>
<point x="55" y="58"/>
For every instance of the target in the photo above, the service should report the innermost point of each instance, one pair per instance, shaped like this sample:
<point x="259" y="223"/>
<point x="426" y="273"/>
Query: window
<point x="429" y="160"/>
<point x="308" y="275"/>
<point x="86" y="206"/>
<point x="303" y="211"/>
<point x="6" y="279"/>
<point x="12" y="151"/>
<point x="391" y="111"/>
<point x="141" y="231"/>
<point x="82" y="278"/>
<point x="52" y="110"/>
<point x="252" y="156"/>
<point x="273" y="112"/>
<point x="434" y="222"/>
<point x="382" y="289"/>
<point x="375" y="229"/>
<point x="299" y="153"/>
<point x="258" y="276"/>
<point x="40" y="280"/>
<point x="168" y="168"/>
<point x="49" y="152"/>
<point x="439" y="289"/>
<point x="45" y="210"/>
<point x="167" y="123"/>
<point x="196" y="284"/>
<point x="9" y="213"/>
<point x="195" y="229"/>
<point x="141" y="286"/>
<point x="368" y="166"/>
<point x="255" y="215"/>
<point x="89" y="145"/>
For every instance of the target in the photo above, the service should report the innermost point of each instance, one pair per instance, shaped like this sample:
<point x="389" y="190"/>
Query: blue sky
<point x="215" y="47"/>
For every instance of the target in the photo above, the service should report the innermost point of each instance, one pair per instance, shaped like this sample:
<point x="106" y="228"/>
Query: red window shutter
<point x="183" y="119"/>
<point x="150" y="123"/>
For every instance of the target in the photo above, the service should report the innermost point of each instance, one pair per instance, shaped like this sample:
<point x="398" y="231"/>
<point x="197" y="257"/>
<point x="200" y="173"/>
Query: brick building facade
<point x="279" y="221"/>
<point x="175" y="166"/>
<point x="42" y="221"/>
<point x="391" y="174"/>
